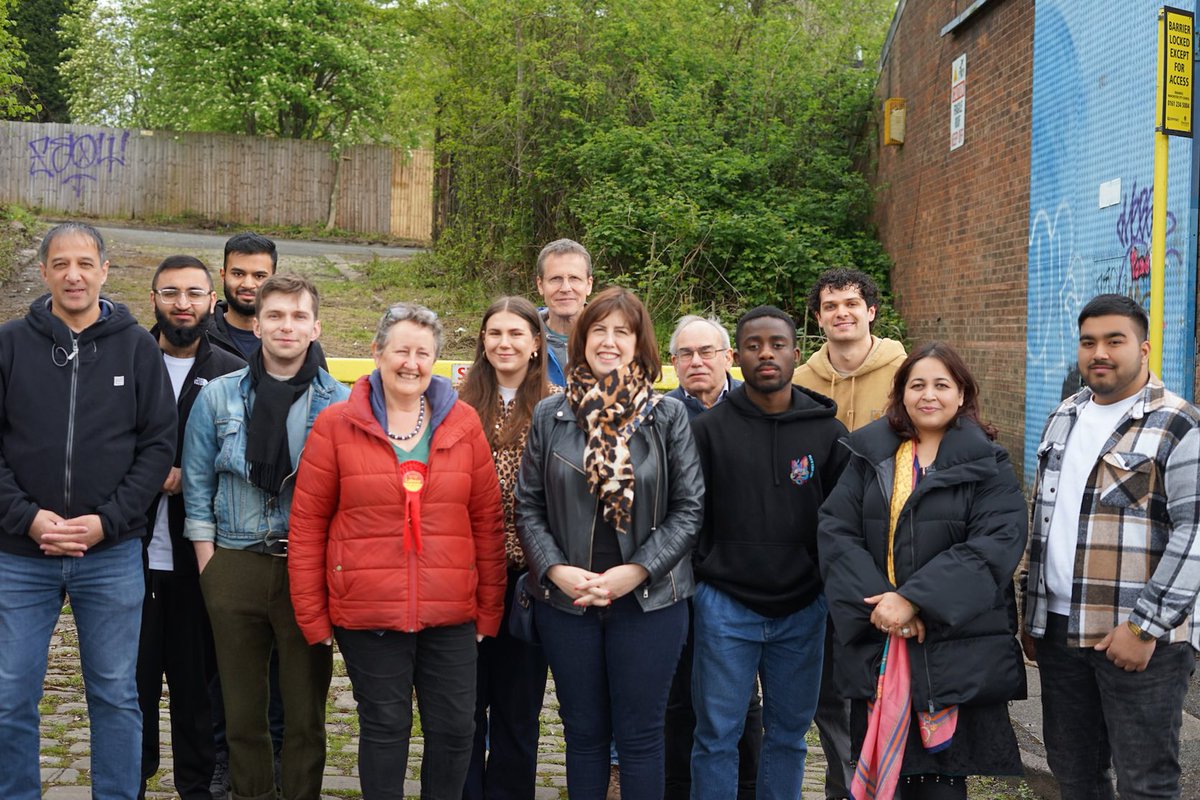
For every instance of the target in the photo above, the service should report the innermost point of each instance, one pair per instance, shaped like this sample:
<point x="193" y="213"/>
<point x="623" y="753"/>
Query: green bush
<point x="704" y="151"/>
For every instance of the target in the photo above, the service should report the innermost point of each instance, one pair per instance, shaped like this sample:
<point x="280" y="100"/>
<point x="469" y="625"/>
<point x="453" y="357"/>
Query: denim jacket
<point x="220" y="502"/>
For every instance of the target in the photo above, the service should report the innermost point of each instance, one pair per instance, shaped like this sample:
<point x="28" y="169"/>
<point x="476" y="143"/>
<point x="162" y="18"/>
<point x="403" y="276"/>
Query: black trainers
<point x="220" y="779"/>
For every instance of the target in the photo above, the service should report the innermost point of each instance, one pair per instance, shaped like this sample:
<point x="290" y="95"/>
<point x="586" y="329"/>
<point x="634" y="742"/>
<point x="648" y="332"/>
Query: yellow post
<point x="1158" y="229"/>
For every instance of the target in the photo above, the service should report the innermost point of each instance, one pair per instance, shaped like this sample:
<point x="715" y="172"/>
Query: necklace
<point x="403" y="437"/>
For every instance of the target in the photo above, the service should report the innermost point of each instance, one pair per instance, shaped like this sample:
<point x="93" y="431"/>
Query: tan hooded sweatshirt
<point x="861" y="396"/>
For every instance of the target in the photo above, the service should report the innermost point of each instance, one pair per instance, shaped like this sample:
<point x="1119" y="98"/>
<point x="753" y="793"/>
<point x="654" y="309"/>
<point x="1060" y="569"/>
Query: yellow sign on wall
<point x="1176" y="46"/>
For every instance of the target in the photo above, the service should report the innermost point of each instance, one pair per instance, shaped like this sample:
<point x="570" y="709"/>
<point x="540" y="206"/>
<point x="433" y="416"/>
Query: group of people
<point x="705" y="572"/>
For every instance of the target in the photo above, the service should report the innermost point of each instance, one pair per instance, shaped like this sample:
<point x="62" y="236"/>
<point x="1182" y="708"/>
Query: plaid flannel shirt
<point x="1138" y="553"/>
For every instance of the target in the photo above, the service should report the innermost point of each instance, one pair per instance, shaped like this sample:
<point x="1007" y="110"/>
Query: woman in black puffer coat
<point x="955" y="543"/>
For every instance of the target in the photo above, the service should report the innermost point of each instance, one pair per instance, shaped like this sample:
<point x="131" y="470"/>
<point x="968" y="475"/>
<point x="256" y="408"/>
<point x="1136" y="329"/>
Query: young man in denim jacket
<point x="240" y="454"/>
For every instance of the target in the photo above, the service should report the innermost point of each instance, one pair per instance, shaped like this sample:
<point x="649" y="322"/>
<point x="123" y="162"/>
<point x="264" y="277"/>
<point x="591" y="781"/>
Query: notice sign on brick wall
<point x="958" y="101"/>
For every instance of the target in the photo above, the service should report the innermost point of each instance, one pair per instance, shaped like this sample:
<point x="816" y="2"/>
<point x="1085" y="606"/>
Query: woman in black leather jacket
<point x="930" y="573"/>
<point x="609" y="501"/>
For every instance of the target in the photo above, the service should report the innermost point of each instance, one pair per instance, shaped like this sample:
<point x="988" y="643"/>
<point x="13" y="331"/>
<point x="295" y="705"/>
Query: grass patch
<point x="987" y="788"/>
<point x="18" y="227"/>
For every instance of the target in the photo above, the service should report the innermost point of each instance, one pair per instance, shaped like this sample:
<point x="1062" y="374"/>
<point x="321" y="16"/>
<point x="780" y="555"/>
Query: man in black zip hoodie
<point x="175" y="638"/>
<point x="770" y="456"/>
<point x="87" y="435"/>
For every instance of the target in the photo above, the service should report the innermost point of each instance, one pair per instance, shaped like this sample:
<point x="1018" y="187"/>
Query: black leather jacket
<point x="556" y="512"/>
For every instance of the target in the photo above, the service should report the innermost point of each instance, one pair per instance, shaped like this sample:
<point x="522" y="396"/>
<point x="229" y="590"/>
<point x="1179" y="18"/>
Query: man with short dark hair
<point x="701" y="355"/>
<point x="1113" y="566"/>
<point x="249" y="260"/>
<point x="770" y="456"/>
<point x="240" y="453"/>
<point x="175" y="634"/>
<point x="564" y="280"/>
<point x="87" y="427"/>
<point x="854" y="367"/>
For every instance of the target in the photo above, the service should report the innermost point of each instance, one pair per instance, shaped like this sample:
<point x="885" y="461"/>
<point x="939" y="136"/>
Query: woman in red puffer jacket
<point x="396" y="549"/>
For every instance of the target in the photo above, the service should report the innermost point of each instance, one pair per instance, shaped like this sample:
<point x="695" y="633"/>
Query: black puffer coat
<point x="958" y="541"/>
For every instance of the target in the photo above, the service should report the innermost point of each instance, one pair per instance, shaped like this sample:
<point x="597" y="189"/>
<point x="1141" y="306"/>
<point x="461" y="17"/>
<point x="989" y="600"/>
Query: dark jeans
<point x="250" y="608"/>
<point x="612" y="671"/>
<point x="384" y="668"/>
<point x="1094" y="711"/>
<point x="509" y="688"/>
<point x="681" y="724"/>
<point x="175" y="641"/>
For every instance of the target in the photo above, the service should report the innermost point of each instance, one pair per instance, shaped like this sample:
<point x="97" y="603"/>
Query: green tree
<point x="36" y="23"/>
<point x="703" y="149"/>
<point x="103" y="76"/>
<point x="16" y="101"/>
<point x="305" y="69"/>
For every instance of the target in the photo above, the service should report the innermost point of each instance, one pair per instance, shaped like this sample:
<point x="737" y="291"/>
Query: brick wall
<point x="956" y="224"/>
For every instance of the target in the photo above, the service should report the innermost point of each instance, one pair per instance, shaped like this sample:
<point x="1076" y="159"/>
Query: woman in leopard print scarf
<point x="608" y="509"/>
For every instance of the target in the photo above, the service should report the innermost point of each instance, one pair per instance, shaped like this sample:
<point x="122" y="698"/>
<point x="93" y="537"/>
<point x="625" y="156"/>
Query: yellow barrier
<point x="348" y="370"/>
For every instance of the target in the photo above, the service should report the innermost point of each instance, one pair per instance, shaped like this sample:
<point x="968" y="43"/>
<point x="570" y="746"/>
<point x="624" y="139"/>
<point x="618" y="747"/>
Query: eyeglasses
<point x="706" y="353"/>
<point x="171" y="294"/>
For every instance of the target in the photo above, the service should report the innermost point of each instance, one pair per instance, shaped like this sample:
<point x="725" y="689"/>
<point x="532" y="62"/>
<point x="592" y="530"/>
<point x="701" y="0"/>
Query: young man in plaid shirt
<point x="1113" y="566"/>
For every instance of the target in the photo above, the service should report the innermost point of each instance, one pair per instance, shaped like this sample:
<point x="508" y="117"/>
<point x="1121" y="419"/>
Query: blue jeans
<point x="1094" y="712"/>
<point x="733" y="645"/>
<point x="612" y="671"/>
<point x="106" y="589"/>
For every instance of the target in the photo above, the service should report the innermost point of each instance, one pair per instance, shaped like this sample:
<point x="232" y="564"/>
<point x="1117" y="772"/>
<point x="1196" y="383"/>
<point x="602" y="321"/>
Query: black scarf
<point x="266" y="431"/>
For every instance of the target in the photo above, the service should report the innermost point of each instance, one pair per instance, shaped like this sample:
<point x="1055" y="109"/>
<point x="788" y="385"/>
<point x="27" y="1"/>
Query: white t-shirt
<point x="1095" y="424"/>
<point x="507" y="394"/>
<point x="159" y="551"/>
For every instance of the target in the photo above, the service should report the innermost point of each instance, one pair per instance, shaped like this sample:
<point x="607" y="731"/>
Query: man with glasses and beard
<point x="174" y="637"/>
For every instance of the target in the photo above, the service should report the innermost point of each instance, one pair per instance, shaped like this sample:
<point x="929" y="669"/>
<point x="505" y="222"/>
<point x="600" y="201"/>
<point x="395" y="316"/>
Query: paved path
<point x="189" y="241"/>
<point x="64" y="758"/>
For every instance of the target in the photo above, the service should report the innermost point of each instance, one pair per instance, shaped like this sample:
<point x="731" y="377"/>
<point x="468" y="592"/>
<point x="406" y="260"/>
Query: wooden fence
<point x="114" y="173"/>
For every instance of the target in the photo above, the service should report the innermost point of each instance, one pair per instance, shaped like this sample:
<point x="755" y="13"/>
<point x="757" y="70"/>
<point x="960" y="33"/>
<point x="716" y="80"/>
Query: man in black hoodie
<point x="87" y="434"/>
<point x="770" y="456"/>
<point x="175" y="638"/>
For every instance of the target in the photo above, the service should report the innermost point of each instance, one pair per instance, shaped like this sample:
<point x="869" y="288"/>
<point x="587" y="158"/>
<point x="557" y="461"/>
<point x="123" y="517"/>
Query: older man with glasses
<point x="701" y="355"/>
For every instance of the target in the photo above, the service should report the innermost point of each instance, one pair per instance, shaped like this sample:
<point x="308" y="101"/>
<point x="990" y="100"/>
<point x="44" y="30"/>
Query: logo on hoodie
<point x="802" y="469"/>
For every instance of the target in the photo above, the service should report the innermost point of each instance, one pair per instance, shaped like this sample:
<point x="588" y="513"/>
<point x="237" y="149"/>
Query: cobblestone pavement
<point x="64" y="755"/>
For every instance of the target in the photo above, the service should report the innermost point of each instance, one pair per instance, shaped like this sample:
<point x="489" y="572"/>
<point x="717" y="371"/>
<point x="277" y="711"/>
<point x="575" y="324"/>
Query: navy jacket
<point x="87" y="423"/>
<point x="695" y="407"/>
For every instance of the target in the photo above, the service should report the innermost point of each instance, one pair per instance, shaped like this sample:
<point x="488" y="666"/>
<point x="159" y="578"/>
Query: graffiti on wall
<point x="1130" y="273"/>
<point x="75" y="159"/>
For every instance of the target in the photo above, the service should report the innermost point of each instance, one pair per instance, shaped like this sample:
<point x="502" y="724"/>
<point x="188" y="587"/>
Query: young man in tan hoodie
<point x="855" y="369"/>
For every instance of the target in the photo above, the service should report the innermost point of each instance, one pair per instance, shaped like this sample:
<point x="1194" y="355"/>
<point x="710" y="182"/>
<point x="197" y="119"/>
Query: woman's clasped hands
<point x="893" y="614"/>
<point x="587" y="588"/>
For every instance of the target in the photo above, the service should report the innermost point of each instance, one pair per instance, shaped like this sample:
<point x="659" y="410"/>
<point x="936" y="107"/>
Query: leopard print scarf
<point x="610" y="409"/>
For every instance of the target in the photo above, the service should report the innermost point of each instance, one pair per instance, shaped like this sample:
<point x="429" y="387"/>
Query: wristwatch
<point x="1138" y="632"/>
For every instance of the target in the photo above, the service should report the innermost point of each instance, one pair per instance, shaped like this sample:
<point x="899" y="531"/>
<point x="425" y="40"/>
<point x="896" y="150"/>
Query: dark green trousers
<point x="251" y="610"/>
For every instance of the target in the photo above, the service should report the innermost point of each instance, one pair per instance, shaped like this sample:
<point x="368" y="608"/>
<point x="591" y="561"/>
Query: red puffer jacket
<point x="351" y="563"/>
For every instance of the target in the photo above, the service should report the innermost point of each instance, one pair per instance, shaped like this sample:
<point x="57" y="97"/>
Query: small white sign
<point x="958" y="102"/>
<point x="1110" y="193"/>
<point x="118" y="380"/>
